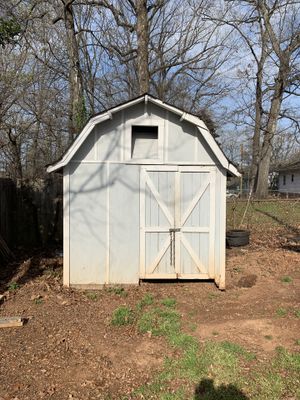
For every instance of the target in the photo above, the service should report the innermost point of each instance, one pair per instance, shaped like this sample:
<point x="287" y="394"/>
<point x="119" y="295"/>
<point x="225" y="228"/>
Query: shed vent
<point x="144" y="142"/>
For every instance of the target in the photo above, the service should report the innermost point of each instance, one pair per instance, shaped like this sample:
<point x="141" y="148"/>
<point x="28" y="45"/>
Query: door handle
<point x="174" y="230"/>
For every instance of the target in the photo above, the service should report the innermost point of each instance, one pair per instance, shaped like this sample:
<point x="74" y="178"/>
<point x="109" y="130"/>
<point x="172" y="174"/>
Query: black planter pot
<point x="237" y="237"/>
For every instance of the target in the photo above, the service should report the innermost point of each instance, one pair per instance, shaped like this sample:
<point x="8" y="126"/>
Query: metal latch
<point x="172" y="245"/>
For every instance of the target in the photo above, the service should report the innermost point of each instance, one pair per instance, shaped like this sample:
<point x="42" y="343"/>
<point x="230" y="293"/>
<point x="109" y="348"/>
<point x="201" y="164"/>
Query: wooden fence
<point x="31" y="212"/>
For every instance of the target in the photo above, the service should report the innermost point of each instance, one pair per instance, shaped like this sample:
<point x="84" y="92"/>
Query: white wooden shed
<point x="144" y="198"/>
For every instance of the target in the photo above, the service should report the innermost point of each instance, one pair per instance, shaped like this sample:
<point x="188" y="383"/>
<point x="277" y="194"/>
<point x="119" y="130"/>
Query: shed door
<point x="177" y="222"/>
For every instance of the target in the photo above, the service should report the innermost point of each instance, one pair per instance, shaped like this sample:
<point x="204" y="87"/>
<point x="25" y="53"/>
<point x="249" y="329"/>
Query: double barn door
<point x="177" y="222"/>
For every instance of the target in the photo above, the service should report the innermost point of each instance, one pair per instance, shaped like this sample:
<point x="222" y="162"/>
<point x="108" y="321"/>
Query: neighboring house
<point x="144" y="198"/>
<point x="289" y="177"/>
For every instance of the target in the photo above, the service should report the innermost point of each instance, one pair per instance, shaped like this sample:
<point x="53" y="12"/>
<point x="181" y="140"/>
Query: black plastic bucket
<point x="237" y="237"/>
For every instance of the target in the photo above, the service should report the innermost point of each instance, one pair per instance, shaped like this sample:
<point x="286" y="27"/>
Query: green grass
<point x="213" y="295"/>
<point x="192" y="326"/>
<point x="159" y="321"/>
<point x="237" y="269"/>
<point x="119" y="291"/>
<point x="92" y="296"/>
<point x="209" y="362"/>
<point x="268" y="337"/>
<point x="122" y="315"/>
<point x="286" y="279"/>
<point x="13" y="286"/>
<point x="281" y="312"/>
<point x="278" y="378"/>
<point x="147" y="300"/>
<point x="215" y="370"/>
<point x="168" y="302"/>
<point x="297" y="313"/>
<point x="265" y="213"/>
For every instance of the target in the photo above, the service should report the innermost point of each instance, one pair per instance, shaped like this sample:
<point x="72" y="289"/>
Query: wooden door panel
<point x="177" y="223"/>
<point x="156" y="221"/>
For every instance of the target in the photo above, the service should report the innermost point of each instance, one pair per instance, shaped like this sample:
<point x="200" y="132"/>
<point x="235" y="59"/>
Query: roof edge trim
<point x="106" y="115"/>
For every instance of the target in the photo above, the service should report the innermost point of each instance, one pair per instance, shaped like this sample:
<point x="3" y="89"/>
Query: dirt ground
<point x="69" y="349"/>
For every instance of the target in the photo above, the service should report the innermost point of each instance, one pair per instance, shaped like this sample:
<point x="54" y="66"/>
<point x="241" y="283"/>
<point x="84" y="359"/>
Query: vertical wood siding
<point x="289" y="186"/>
<point x="109" y="193"/>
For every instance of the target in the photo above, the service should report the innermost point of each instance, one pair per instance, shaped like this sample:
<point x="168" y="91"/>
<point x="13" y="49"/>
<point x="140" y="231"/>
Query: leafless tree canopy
<point x="236" y="63"/>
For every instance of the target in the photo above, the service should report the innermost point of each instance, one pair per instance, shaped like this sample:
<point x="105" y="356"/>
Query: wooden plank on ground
<point x="10" y="322"/>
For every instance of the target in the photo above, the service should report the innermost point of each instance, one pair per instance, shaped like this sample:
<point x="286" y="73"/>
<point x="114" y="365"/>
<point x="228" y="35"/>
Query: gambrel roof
<point x="108" y="114"/>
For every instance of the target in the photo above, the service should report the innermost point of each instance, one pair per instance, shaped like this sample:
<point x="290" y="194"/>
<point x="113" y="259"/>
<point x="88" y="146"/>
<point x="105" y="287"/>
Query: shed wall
<point x="87" y="223"/>
<point x="104" y="224"/>
<point x="289" y="186"/>
<point x="102" y="197"/>
<point x="124" y="224"/>
<point x="179" y="141"/>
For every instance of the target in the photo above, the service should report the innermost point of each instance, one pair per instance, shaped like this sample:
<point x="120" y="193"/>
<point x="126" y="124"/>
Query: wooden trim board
<point x="11" y="322"/>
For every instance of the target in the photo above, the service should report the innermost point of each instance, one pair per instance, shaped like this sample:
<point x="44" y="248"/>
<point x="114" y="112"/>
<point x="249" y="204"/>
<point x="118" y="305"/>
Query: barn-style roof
<point x="108" y="114"/>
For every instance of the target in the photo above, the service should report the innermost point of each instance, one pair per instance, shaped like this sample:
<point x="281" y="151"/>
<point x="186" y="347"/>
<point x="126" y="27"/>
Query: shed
<point x="144" y="198"/>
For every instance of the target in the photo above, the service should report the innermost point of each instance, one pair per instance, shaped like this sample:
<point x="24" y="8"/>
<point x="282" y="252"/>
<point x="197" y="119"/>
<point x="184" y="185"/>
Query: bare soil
<point x="68" y="348"/>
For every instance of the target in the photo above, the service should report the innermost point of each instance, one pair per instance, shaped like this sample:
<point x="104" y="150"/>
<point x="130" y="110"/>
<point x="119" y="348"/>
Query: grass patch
<point x="278" y="378"/>
<point x="159" y="321"/>
<point x="215" y="370"/>
<point x="168" y="302"/>
<point x="286" y="279"/>
<point x="268" y="337"/>
<point x="119" y="291"/>
<point x="269" y="214"/>
<point x="297" y="342"/>
<point x="192" y="326"/>
<point x="206" y="363"/>
<point x="297" y="313"/>
<point x="122" y="315"/>
<point x="213" y="295"/>
<point x="237" y="269"/>
<point x="281" y="312"/>
<point x="13" y="286"/>
<point x="92" y="296"/>
<point x="147" y="300"/>
<point x="238" y="350"/>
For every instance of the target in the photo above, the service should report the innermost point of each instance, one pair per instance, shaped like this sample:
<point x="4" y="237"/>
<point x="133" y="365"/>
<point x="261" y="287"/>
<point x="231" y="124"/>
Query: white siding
<point x="289" y="186"/>
<point x="178" y="141"/>
<point x="88" y="185"/>
<point x="103" y="197"/>
<point x="124" y="224"/>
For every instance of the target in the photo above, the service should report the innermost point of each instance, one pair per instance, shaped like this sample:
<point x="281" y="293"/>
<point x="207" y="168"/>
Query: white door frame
<point x="177" y="221"/>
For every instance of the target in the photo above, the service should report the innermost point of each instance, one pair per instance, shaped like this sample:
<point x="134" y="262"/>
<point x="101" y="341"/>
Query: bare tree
<point x="77" y="113"/>
<point x="270" y="31"/>
<point x="285" y="43"/>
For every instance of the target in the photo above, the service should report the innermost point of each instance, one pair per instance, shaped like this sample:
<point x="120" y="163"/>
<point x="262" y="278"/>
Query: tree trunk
<point x="16" y="157"/>
<point x="266" y="151"/>
<point x="258" y="112"/>
<point x="142" y="31"/>
<point x="77" y="116"/>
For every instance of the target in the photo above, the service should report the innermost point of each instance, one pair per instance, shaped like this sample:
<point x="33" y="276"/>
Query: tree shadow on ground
<point x="279" y="221"/>
<point x="206" y="390"/>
